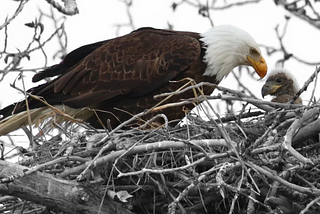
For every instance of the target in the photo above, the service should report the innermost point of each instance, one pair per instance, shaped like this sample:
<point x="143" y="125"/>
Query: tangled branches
<point x="265" y="163"/>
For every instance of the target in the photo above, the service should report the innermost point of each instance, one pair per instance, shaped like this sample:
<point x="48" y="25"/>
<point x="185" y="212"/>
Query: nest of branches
<point x="253" y="162"/>
<point x="259" y="164"/>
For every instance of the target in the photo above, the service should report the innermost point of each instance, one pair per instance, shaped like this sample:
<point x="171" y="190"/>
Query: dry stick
<point x="294" y="128"/>
<point x="271" y="175"/>
<point x="240" y="97"/>
<point x="104" y="148"/>
<point x="70" y="7"/>
<point x="160" y="171"/>
<point x="47" y="40"/>
<point x="220" y="88"/>
<point x="305" y="86"/>
<point x="213" y="7"/>
<point x="82" y="174"/>
<point x="227" y="138"/>
<point x="250" y="207"/>
<point x="195" y="144"/>
<point x="149" y="122"/>
<point x="4" y="199"/>
<point x="314" y="87"/>
<point x="242" y="85"/>
<point x="114" y="165"/>
<point x="27" y="53"/>
<point x="261" y="104"/>
<point x="259" y="141"/>
<point x="296" y="11"/>
<point x="233" y="117"/>
<point x="307" y="131"/>
<point x="163" y="145"/>
<point x="275" y="184"/>
<point x="18" y="10"/>
<point x="30" y="136"/>
<point x="172" y="206"/>
<point x="309" y="205"/>
<point x="41" y="166"/>
<point x="236" y="195"/>
<point x="63" y="46"/>
<point x="169" y="95"/>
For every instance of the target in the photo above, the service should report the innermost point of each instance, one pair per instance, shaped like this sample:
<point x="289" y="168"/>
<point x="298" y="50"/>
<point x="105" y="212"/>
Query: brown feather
<point x="124" y="73"/>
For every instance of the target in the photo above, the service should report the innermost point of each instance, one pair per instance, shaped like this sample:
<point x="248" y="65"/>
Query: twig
<point x="315" y="85"/>
<point x="269" y="174"/>
<point x="128" y="4"/>
<point x="172" y="206"/>
<point x="309" y="205"/>
<point x="300" y="12"/>
<point x="70" y="7"/>
<point x="306" y="84"/>
<point x="41" y="166"/>
<point x="287" y="144"/>
<point x="18" y="10"/>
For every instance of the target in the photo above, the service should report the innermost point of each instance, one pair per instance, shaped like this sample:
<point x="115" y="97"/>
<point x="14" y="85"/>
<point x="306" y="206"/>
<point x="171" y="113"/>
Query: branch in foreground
<point x="44" y="189"/>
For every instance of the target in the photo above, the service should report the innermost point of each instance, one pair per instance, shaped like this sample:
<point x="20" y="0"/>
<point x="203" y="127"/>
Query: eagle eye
<point x="253" y="51"/>
<point x="279" y="80"/>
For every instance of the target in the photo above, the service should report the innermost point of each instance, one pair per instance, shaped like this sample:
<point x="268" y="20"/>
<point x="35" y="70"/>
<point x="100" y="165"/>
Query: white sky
<point x="97" y="20"/>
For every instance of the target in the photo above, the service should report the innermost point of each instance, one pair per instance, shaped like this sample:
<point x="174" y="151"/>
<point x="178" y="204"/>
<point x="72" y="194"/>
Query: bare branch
<point x="70" y="7"/>
<point x="19" y="9"/>
<point x="300" y="11"/>
<point x="128" y="4"/>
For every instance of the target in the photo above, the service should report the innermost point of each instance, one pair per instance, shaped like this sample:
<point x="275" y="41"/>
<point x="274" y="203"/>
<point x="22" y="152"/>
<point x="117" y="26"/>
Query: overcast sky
<point x="97" y="19"/>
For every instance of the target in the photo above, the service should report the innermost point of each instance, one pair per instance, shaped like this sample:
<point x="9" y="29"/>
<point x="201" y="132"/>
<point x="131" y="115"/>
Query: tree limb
<point x="63" y="195"/>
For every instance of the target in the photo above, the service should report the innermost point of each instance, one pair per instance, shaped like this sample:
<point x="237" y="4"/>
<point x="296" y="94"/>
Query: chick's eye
<point x="279" y="80"/>
<point x="253" y="51"/>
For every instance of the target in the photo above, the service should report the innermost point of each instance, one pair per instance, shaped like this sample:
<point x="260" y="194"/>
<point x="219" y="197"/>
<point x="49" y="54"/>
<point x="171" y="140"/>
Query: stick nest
<point x="253" y="162"/>
<point x="241" y="166"/>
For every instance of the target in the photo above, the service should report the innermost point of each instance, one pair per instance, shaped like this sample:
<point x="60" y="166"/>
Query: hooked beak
<point x="260" y="66"/>
<point x="269" y="88"/>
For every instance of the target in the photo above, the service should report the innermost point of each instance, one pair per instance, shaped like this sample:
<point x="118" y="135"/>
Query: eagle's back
<point x="120" y="76"/>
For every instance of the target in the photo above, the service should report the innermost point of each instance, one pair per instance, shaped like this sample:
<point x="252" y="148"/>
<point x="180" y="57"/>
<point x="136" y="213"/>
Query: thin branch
<point x="70" y="7"/>
<point x="19" y="9"/>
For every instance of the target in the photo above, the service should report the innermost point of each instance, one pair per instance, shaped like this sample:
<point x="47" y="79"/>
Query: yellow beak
<point x="260" y="66"/>
<point x="269" y="88"/>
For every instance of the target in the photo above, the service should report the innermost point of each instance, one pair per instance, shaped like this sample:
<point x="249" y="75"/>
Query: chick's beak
<point x="269" y="88"/>
<point x="260" y="66"/>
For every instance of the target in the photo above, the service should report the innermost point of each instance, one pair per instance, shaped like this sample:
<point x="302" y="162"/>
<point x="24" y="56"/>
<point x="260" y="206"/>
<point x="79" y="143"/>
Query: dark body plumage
<point x="120" y="76"/>
<point x="117" y="78"/>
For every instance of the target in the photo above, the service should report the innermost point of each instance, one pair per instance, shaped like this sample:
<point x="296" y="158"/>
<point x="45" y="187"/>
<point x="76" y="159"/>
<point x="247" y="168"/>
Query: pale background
<point x="97" y="21"/>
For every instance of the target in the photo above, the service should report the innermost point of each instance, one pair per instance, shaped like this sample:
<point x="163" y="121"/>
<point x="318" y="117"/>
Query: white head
<point x="228" y="47"/>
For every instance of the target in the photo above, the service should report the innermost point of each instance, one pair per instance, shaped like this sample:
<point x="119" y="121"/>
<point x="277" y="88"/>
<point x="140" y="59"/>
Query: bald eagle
<point x="282" y="85"/>
<point x="114" y="79"/>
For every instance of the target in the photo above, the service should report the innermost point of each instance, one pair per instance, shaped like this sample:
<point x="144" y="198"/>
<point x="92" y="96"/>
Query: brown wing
<point x="132" y="65"/>
<point x="70" y="60"/>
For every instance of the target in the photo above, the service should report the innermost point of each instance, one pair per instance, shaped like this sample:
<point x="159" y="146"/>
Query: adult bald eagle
<point x="282" y="85"/>
<point x="117" y="78"/>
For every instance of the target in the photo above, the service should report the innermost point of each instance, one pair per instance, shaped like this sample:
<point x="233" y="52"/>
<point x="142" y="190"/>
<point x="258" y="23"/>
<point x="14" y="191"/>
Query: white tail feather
<point x="39" y="115"/>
